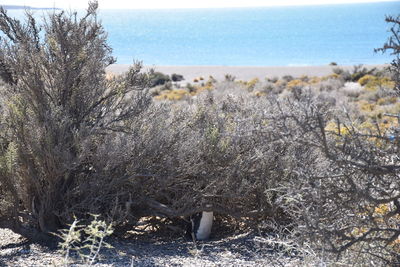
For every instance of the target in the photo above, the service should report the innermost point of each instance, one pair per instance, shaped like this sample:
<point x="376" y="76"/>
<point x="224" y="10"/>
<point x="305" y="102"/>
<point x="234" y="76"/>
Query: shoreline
<point x="240" y="72"/>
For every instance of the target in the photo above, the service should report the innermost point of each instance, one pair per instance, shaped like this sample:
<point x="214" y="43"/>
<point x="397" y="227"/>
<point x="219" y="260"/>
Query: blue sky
<point x="124" y="4"/>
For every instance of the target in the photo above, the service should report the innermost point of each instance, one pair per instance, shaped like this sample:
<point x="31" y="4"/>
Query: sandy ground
<point x="240" y="72"/>
<point x="235" y="250"/>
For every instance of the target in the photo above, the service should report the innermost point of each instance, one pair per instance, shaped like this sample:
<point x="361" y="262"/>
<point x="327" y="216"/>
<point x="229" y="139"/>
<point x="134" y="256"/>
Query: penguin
<point x="200" y="225"/>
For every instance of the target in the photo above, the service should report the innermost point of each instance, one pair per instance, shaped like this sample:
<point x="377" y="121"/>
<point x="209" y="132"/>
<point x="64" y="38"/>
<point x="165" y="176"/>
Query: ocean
<point x="269" y="36"/>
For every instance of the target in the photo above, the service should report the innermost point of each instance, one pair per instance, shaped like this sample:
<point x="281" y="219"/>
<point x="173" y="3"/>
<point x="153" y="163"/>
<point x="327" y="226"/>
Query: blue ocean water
<point x="267" y="36"/>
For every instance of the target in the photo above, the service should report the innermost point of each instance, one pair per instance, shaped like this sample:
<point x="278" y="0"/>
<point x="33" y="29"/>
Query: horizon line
<point x="251" y="6"/>
<point x="287" y="4"/>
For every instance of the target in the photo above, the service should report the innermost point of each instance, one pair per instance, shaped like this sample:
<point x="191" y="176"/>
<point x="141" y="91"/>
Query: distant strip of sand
<point x="240" y="72"/>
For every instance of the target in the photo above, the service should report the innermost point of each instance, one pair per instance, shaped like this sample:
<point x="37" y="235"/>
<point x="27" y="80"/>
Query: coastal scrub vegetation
<point x="60" y="119"/>
<point x="317" y="156"/>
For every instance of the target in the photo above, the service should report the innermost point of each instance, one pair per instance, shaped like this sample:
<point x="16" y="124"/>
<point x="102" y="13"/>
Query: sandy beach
<point x="240" y="72"/>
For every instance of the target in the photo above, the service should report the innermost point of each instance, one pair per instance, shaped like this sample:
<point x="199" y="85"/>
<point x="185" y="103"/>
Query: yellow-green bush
<point x="314" y="80"/>
<point x="252" y="83"/>
<point x="373" y="83"/>
<point x="366" y="79"/>
<point x="175" y="94"/>
<point x="199" y="89"/>
<point x="336" y="128"/>
<point x="296" y="83"/>
<point x="366" y="106"/>
<point x="334" y="76"/>
<point x="387" y="100"/>
<point x="330" y="76"/>
<point x="260" y="93"/>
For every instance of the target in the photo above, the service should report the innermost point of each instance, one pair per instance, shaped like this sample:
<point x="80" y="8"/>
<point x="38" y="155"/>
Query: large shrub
<point x="158" y="78"/>
<point x="218" y="149"/>
<point x="59" y="109"/>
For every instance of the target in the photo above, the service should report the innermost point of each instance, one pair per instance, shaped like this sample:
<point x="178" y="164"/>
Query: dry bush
<point x="348" y="199"/>
<point x="393" y="46"/>
<point x="59" y="108"/>
<point x="212" y="150"/>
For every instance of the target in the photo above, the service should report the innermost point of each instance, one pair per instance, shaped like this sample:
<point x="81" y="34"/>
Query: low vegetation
<point x="85" y="241"/>
<point x="317" y="156"/>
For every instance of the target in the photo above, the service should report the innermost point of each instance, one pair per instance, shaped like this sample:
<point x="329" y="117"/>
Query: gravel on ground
<point x="235" y="250"/>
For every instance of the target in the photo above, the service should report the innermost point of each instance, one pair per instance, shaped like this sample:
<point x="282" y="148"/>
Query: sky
<point x="144" y="4"/>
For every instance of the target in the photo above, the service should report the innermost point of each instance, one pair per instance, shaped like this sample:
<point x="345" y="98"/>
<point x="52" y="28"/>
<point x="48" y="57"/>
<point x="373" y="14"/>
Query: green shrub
<point x="158" y="78"/>
<point x="177" y="77"/>
<point x="288" y="78"/>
